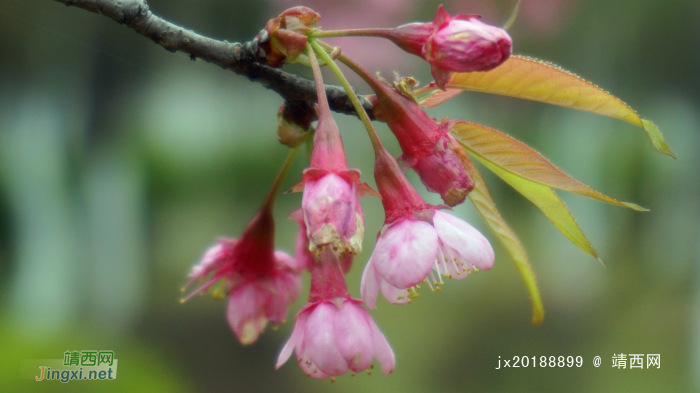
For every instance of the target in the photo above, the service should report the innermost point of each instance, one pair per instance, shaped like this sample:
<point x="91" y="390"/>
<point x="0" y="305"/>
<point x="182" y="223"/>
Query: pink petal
<point x="284" y="259"/>
<point x="392" y="294"/>
<point x="353" y="336"/>
<point x="303" y="316"/>
<point x="286" y="287"/>
<point x="369" y="287"/>
<point x="294" y="340"/>
<point x="310" y="368"/>
<point x="382" y="350"/>
<point x="246" y="312"/>
<point x="320" y="340"/>
<point x="405" y="253"/>
<point x="465" y="239"/>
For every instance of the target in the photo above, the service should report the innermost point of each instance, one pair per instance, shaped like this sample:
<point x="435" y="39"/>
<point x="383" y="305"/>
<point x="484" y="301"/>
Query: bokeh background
<point x="120" y="163"/>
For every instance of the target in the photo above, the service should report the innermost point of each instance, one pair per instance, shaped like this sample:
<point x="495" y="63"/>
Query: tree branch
<point x="237" y="57"/>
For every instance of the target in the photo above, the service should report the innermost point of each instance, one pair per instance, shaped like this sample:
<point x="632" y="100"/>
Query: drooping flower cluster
<point x="333" y="333"/>
<point x="418" y="243"/>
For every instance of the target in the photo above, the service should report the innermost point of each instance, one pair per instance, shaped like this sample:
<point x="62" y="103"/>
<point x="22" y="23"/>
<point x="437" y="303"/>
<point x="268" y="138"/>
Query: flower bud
<point x="284" y="38"/>
<point x="294" y="121"/>
<point x="454" y="44"/>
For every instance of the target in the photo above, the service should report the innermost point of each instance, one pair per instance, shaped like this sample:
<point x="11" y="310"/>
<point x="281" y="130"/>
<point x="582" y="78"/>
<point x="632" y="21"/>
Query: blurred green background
<point x="120" y="163"/>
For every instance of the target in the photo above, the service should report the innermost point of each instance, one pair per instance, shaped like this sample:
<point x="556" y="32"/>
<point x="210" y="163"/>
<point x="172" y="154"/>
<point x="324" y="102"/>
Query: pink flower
<point x="332" y="210"/>
<point x="331" y="205"/>
<point x="261" y="283"/>
<point x="415" y="239"/>
<point x="409" y="249"/>
<point x="444" y="170"/>
<point x="333" y="333"/>
<point x="454" y="44"/>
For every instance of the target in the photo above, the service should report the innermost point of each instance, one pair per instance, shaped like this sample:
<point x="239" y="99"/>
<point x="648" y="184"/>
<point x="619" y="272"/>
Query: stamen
<point x="203" y="288"/>
<point x="439" y="275"/>
<point x="430" y="285"/>
<point x="413" y="294"/>
<point x="455" y="265"/>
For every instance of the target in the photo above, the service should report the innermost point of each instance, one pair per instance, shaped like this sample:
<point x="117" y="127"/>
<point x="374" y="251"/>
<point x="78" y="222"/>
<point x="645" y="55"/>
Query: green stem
<point x="272" y="196"/>
<point x="374" y="138"/>
<point x="358" y="69"/>
<point x="384" y="33"/>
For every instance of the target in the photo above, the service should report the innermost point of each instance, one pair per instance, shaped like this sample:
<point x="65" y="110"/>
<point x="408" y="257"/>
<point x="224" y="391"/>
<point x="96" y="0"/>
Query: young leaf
<point x="548" y="202"/>
<point x="484" y="204"/>
<point x="518" y="158"/>
<point x="531" y="79"/>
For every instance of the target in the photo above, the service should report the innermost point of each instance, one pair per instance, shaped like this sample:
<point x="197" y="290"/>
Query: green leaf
<point x="484" y="204"/>
<point x="531" y="79"/>
<point x="548" y="202"/>
<point x="520" y="159"/>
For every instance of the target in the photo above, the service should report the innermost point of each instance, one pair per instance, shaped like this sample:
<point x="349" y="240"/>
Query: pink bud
<point x="444" y="170"/>
<point x="333" y="214"/>
<point x="454" y="44"/>
<point x="427" y="145"/>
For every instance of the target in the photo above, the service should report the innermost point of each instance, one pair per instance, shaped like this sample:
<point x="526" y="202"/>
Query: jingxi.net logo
<point x="75" y="366"/>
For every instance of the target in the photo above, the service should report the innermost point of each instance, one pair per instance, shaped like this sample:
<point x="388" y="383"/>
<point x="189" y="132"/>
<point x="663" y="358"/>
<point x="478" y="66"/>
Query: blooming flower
<point x="333" y="333"/>
<point x="261" y="283"/>
<point x="454" y="44"/>
<point x="408" y="250"/>
<point x="415" y="239"/>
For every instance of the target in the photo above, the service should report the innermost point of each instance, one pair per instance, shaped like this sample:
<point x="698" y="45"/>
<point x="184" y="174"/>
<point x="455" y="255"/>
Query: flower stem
<point x="384" y="33"/>
<point x="358" y="69"/>
<point x="277" y="185"/>
<point x="374" y="138"/>
<point x="318" y="79"/>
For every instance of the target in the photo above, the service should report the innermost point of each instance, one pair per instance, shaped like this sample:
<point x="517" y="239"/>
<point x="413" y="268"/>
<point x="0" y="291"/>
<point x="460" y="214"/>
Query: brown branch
<point x="237" y="57"/>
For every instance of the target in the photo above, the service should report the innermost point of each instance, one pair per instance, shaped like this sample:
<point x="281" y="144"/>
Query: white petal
<point x="472" y="246"/>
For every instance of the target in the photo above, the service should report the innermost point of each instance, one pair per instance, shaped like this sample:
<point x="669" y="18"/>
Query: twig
<point x="239" y="58"/>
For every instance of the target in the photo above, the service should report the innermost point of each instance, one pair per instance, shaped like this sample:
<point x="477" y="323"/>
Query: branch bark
<point x="237" y="57"/>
